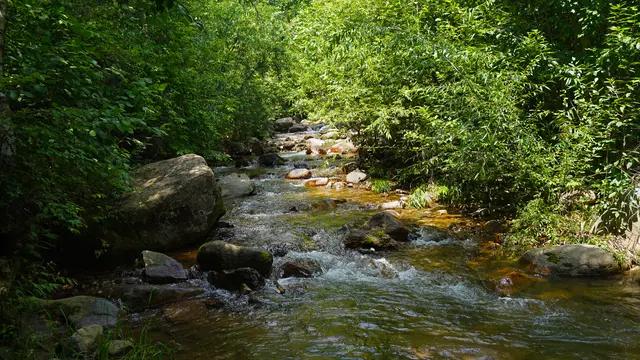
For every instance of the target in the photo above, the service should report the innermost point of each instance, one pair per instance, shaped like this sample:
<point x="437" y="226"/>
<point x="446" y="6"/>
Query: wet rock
<point x="83" y="311"/>
<point x="356" y="177"/>
<point x="300" y="165"/>
<point x="119" y="347"/>
<point x="161" y="269"/>
<point x="283" y="125"/>
<point x="236" y="186"/>
<point x="219" y="256"/>
<point x="86" y="338"/>
<point x="326" y="204"/>
<point x="575" y="260"/>
<point x="185" y="311"/>
<point x="175" y="203"/>
<point x="330" y="135"/>
<point x="271" y="160"/>
<point x="142" y="296"/>
<point x="514" y="281"/>
<point x="367" y="239"/>
<point x="339" y="185"/>
<point x="315" y="145"/>
<point x="299" y="174"/>
<point x="279" y="249"/>
<point x="397" y="204"/>
<point x="316" y="182"/>
<point x="237" y="280"/>
<point x="297" y="128"/>
<point x="343" y="147"/>
<point x="389" y="223"/>
<point x="304" y="268"/>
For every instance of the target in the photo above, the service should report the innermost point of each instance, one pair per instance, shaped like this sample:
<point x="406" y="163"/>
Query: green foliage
<point x="381" y="186"/>
<point x="94" y="87"/>
<point x="503" y="102"/>
<point x="425" y="195"/>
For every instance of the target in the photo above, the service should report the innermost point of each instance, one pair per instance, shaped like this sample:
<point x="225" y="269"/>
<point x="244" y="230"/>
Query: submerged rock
<point x="220" y="256"/>
<point x="389" y="223"/>
<point x="236" y="186"/>
<point x="356" y="177"/>
<point x="142" y="296"/>
<point x="366" y="239"/>
<point x="299" y="174"/>
<point x="237" y="280"/>
<point x="575" y="260"/>
<point x="271" y="160"/>
<point x="83" y="311"/>
<point x="304" y="268"/>
<point x="185" y="311"/>
<point x="160" y="268"/>
<point x="175" y="203"/>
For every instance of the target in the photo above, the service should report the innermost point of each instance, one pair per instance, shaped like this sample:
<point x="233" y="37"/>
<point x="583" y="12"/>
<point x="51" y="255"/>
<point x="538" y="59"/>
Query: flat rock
<point x="322" y="181"/>
<point x="576" y="260"/>
<point x="236" y="186"/>
<point x="221" y="256"/>
<point x="83" y="311"/>
<point x="160" y="268"/>
<point x="299" y="174"/>
<point x="356" y="177"/>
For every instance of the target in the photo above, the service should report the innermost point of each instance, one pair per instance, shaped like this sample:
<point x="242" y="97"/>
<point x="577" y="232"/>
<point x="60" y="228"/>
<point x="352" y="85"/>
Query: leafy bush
<point x="381" y="186"/>
<point x="96" y="87"/>
<point x="503" y="102"/>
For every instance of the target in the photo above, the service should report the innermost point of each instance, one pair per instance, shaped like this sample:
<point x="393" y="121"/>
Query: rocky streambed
<point x="308" y="263"/>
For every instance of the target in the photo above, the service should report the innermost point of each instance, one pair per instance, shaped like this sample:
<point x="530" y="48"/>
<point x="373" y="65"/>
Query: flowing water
<point x="434" y="299"/>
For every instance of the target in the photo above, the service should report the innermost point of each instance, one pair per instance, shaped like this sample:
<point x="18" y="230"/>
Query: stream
<point x="435" y="298"/>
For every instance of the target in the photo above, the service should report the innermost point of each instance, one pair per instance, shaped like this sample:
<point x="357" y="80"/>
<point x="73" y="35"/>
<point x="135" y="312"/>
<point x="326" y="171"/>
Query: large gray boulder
<point x="575" y="260"/>
<point x="174" y="203"/>
<point x="83" y="311"/>
<point x="220" y="256"/>
<point x="160" y="268"/>
<point x="236" y="186"/>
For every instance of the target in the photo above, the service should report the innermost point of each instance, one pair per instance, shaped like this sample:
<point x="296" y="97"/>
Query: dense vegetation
<point x="528" y="108"/>
<point x="93" y="86"/>
<point x="510" y="105"/>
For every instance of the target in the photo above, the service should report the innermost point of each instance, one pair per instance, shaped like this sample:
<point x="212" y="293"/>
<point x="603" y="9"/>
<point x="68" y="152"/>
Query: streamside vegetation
<point x="526" y="110"/>
<point x="519" y="107"/>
